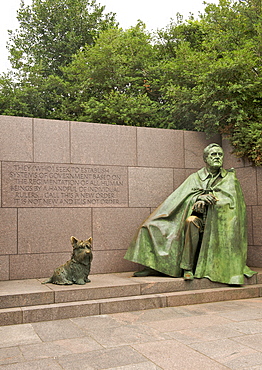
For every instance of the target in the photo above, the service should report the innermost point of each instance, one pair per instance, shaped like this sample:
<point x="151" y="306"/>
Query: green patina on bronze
<point x="77" y="269"/>
<point x="222" y="258"/>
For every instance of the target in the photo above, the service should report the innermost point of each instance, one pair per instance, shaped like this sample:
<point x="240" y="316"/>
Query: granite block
<point x="93" y="143"/>
<point x="29" y="299"/>
<point x="259" y="278"/>
<point x="115" y="228"/>
<point x="156" y="285"/>
<point x="160" y="148"/>
<point x="254" y="256"/>
<point x="250" y="225"/>
<point x="257" y="225"/>
<point x="30" y="266"/>
<point x="149" y="187"/>
<point x="259" y="185"/>
<point x="101" y="286"/>
<point x="247" y="179"/>
<point x="51" y="141"/>
<point x="180" y="175"/>
<point x="135" y="303"/>
<point x="27" y="286"/>
<point x="190" y="171"/>
<point x="1" y="183"/>
<point x="230" y="160"/>
<point x="207" y="295"/>
<point x="59" y="311"/>
<point x="15" y="293"/>
<point x="48" y="230"/>
<point x="16" y="139"/>
<point x="91" y="292"/>
<point x="10" y="316"/>
<point x="4" y="267"/>
<point x="251" y="280"/>
<point x="194" y="144"/>
<point x="8" y="231"/>
<point x="109" y="261"/>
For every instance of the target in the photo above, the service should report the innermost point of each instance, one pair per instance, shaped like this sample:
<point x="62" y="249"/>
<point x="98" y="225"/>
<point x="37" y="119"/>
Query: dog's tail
<point x="50" y="280"/>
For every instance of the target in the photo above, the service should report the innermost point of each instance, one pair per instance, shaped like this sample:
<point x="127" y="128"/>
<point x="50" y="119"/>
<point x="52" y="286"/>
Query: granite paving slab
<point x="252" y="361"/>
<point x="10" y="355"/>
<point x="56" y="330"/>
<point x="102" y="359"/>
<point x="244" y="314"/>
<point x="34" y="365"/>
<point x="172" y="355"/>
<point x="15" y="335"/>
<point x="223" y="351"/>
<point x="78" y="345"/>
<point x="209" y="333"/>
<point x="183" y="323"/>
<point x="247" y="327"/>
<point x="253" y="341"/>
<point x="126" y="334"/>
<point x="204" y="336"/>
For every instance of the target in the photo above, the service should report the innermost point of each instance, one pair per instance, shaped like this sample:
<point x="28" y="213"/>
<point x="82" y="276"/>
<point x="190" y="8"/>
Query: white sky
<point x="155" y="14"/>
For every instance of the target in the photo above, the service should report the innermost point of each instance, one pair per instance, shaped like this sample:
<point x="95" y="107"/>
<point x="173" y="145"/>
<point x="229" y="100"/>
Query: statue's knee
<point x="194" y="220"/>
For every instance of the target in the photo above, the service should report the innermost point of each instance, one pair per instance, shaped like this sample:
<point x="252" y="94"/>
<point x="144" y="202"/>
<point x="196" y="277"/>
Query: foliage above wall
<point x="199" y="74"/>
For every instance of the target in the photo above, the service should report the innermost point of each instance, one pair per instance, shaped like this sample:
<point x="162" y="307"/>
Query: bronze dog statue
<point x="77" y="269"/>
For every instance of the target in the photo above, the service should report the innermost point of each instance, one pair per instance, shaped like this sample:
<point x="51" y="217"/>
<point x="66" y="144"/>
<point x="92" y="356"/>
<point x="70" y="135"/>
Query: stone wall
<point x="61" y="178"/>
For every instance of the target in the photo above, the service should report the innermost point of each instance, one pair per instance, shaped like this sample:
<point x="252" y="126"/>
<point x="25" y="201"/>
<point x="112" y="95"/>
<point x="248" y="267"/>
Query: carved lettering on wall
<point x="60" y="185"/>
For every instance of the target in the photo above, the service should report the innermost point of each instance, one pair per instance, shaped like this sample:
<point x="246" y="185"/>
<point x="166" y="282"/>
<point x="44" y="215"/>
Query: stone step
<point x="58" y="311"/>
<point x="31" y="292"/>
<point x="26" y="301"/>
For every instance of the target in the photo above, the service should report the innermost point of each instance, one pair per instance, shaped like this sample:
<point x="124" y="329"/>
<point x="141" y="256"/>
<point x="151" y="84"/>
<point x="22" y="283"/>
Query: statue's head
<point x="213" y="156"/>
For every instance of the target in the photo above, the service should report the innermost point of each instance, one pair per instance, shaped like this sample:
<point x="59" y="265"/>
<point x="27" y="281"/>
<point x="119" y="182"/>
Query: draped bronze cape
<point x="222" y="257"/>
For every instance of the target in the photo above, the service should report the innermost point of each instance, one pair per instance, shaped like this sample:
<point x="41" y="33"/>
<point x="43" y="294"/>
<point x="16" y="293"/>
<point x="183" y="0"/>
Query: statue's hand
<point x="209" y="199"/>
<point x="199" y="206"/>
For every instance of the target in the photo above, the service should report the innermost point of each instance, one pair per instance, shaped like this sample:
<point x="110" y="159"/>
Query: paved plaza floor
<point x="222" y="335"/>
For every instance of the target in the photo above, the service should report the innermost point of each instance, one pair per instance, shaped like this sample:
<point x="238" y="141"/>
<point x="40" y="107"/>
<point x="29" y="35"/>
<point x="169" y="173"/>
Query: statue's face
<point x="214" y="160"/>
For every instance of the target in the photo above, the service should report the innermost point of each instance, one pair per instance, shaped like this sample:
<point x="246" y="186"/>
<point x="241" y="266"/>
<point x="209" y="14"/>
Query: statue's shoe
<point x="147" y="271"/>
<point x="188" y="275"/>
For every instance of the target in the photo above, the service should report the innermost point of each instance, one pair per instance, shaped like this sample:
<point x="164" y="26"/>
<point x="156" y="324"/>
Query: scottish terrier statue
<point x="77" y="269"/>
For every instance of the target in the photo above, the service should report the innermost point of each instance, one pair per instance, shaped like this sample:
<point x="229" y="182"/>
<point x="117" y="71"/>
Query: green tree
<point x="216" y="86"/>
<point x="36" y="96"/>
<point x="52" y="31"/>
<point x="110" y="82"/>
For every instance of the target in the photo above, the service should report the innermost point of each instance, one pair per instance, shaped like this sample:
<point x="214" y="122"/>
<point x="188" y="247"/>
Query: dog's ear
<point x="73" y="240"/>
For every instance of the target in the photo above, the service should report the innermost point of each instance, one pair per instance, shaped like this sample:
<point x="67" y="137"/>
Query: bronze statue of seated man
<point x="199" y="230"/>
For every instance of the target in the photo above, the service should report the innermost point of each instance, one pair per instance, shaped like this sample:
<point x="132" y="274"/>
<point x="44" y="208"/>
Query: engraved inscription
<point x="59" y="185"/>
